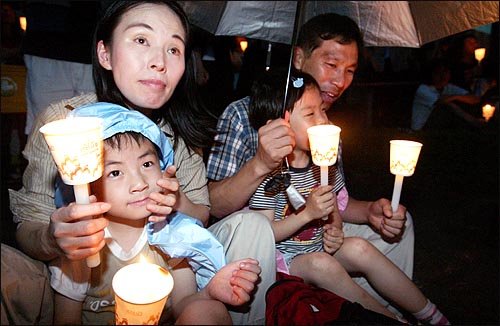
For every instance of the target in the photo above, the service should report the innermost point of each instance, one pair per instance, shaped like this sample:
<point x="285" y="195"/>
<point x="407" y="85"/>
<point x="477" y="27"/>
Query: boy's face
<point x="332" y="65"/>
<point x="129" y="177"/>
<point x="309" y="111"/>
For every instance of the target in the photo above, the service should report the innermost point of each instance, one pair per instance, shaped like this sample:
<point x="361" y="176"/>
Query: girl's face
<point x="129" y="177"/>
<point x="308" y="111"/>
<point x="146" y="55"/>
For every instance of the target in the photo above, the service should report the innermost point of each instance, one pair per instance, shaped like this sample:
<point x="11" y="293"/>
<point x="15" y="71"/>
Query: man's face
<point x="332" y="65"/>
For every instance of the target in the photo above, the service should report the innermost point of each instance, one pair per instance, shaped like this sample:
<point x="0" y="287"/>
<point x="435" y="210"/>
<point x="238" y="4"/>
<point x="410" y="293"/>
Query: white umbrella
<point x="383" y="23"/>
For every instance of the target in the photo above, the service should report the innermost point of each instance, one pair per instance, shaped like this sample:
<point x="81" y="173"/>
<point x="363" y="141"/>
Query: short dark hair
<point x="268" y="91"/>
<point x="326" y="27"/>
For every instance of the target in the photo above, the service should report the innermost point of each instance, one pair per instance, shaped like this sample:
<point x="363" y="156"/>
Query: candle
<point x="488" y="111"/>
<point x="324" y="144"/>
<point x="77" y="148"/>
<point x="403" y="160"/>
<point x="479" y="54"/>
<point x="141" y="291"/>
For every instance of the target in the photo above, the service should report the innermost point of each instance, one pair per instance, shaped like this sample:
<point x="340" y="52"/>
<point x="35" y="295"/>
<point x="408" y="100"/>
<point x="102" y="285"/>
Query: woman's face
<point x="146" y="55"/>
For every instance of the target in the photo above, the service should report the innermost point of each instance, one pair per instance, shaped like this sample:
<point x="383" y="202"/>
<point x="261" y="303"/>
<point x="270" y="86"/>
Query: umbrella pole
<point x="298" y="19"/>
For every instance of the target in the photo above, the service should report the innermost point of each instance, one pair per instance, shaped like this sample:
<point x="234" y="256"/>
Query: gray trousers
<point x="247" y="234"/>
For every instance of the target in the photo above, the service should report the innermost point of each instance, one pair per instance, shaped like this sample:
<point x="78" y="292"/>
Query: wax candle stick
<point x="324" y="175"/>
<point x="403" y="160"/>
<point x="76" y="145"/>
<point x="396" y="193"/>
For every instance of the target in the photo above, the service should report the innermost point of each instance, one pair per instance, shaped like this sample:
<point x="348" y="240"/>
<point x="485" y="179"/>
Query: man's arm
<point x="228" y="195"/>
<point x="231" y="194"/>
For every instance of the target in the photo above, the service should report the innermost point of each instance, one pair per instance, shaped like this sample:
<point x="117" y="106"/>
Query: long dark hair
<point x="268" y="90"/>
<point x="184" y="112"/>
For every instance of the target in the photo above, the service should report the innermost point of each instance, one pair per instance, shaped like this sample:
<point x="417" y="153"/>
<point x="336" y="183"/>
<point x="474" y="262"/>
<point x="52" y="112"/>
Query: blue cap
<point x="117" y="119"/>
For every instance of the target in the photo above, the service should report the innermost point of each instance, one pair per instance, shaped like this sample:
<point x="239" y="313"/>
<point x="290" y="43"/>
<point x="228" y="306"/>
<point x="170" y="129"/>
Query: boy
<point x="135" y="153"/>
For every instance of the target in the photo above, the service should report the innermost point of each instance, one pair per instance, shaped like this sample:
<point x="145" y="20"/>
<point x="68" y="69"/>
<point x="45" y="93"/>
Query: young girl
<point x="136" y="152"/>
<point x="315" y="249"/>
<point x="140" y="61"/>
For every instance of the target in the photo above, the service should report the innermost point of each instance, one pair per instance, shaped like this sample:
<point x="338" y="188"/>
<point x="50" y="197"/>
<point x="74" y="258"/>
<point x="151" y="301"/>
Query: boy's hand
<point x="234" y="283"/>
<point x="166" y="200"/>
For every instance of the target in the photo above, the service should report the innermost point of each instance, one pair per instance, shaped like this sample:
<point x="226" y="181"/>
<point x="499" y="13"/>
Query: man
<point x="328" y="47"/>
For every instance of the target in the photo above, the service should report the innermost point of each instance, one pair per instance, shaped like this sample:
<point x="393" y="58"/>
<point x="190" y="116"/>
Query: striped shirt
<point x="310" y="237"/>
<point x="35" y="200"/>
<point x="237" y="141"/>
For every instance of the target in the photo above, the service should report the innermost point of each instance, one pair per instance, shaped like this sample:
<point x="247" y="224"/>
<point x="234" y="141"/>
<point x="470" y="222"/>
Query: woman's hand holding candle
<point x="78" y="229"/>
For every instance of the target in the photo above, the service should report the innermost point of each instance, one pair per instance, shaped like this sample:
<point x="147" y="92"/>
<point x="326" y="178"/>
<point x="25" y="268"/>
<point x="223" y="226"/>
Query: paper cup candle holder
<point x="77" y="148"/>
<point x="141" y="291"/>
<point x="403" y="160"/>
<point x="479" y="54"/>
<point x="324" y="143"/>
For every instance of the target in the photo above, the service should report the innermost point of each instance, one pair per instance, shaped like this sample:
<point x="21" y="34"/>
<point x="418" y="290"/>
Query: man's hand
<point x="388" y="223"/>
<point x="276" y="140"/>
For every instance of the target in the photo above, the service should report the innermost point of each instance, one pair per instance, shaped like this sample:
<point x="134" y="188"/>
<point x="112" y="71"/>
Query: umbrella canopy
<point x="383" y="23"/>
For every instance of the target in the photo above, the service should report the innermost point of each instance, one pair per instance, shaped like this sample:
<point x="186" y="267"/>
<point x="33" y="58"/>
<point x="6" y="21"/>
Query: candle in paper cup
<point x="479" y="53"/>
<point x="404" y="156"/>
<point x="76" y="146"/>
<point x="324" y="144"/>
<point x="403" y="161"/>
<point x="141" y="291"/>
<point x="488" y="111"/>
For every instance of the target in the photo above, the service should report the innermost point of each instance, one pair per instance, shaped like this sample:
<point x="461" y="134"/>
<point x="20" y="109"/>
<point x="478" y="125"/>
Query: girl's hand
<point x="333" y="238"/>
<point x="320" y="202"/>
<point x="164" y="201"/>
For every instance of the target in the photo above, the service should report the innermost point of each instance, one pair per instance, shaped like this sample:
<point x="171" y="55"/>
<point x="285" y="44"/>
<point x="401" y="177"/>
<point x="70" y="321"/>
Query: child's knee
<point x="358" y="248"/>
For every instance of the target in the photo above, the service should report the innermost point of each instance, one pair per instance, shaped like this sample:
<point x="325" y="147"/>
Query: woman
<point x="139" y="58"/>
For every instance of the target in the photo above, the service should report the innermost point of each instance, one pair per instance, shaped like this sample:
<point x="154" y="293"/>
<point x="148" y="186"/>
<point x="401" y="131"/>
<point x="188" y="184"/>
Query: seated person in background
<point x="135" y="153"/>
<point x="437" y="102"/>
<point x="316" y="249"/>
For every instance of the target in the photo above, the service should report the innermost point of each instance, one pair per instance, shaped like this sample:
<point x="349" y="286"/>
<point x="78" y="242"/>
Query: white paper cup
<point x="141" y="291"/>
<point x="76" y="145"/>
<point x="404" y="156"/>
<point x="324" y="143"/>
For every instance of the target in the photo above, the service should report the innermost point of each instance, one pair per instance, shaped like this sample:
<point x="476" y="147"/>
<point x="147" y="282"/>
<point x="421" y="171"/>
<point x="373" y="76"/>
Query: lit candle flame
<point x="479" y="54"/>
<point x="488" y="111"/>
<point x="23" y="23"/>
